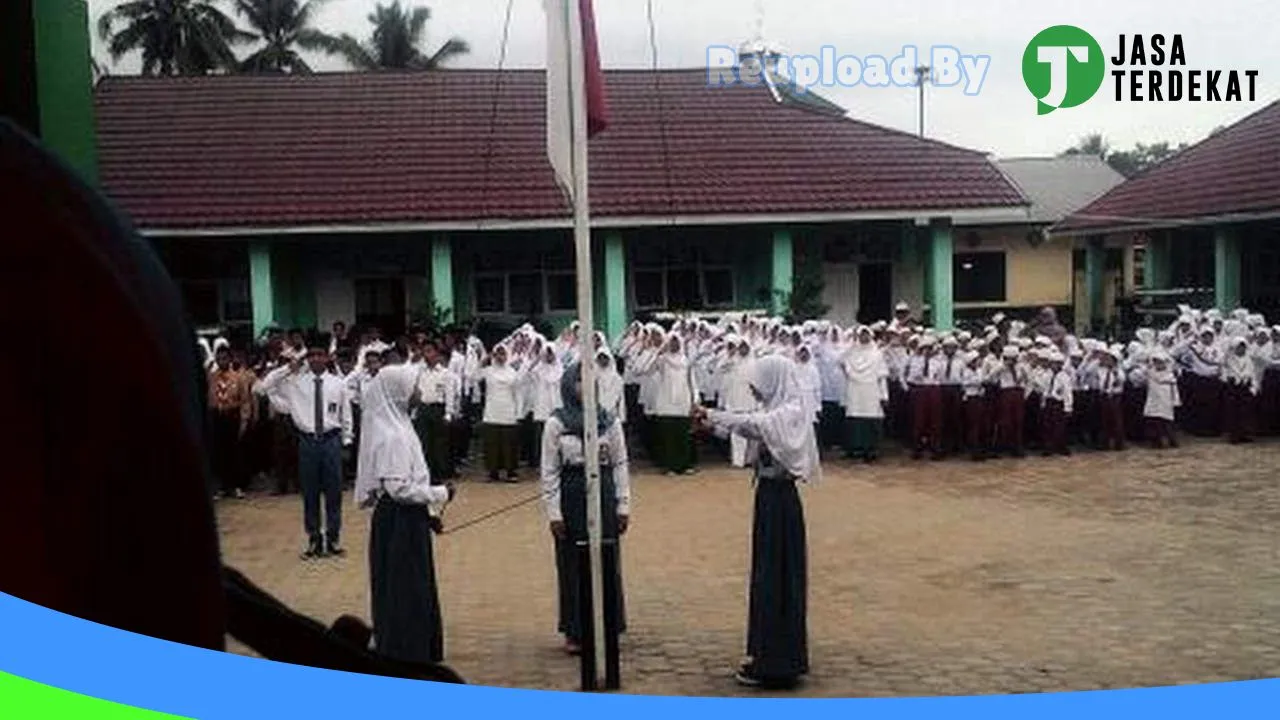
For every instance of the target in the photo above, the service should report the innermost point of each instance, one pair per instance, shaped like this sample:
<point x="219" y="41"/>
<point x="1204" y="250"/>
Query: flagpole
<point x="586" y="325"/>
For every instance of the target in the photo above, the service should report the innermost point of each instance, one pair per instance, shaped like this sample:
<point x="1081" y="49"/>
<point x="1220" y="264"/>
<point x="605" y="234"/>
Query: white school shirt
<point x="866" y="382"/>
<point x="1163" y="398"/>
<point x="502" y="385"/>
<point x="675" y="390"/>
<point x="1061" y="388"/>
<point x="439" y="386"/>
<point x="544" y="390"/>
<point x="973" y="381"/>
<point x="296" y="393"/>
<point x="1110" y="382"/>
<point x="950" y="370"/>
<point x="1007" y="378"/>
<point x="560" y="450"/>
<point x="1203" y="360"/>
<point x="810" y="386"/>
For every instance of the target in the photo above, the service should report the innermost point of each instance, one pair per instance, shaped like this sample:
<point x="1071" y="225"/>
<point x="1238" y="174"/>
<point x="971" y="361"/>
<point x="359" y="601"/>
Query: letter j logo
<point x="1063" y="67"/>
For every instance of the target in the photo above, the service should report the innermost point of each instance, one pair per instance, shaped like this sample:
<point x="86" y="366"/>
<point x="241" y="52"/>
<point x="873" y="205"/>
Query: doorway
<point x="380" y="303"/>
<point x="875" y="292"/>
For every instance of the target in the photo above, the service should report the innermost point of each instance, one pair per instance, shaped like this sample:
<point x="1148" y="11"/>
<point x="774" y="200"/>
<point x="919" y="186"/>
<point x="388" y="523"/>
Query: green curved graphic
<point x="22" y="699"/>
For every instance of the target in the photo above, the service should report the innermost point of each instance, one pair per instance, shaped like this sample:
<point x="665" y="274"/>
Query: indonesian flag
<point x="560" y="86"/>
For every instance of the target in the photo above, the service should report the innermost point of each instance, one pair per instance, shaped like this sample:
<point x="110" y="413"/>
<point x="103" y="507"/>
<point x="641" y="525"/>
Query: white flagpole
<point x="586" y="322"/>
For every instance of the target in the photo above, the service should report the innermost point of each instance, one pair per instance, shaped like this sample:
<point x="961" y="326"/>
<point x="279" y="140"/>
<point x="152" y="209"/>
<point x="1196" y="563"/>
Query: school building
<point x="1205" y="222"/>
<point x="382" y="198"/>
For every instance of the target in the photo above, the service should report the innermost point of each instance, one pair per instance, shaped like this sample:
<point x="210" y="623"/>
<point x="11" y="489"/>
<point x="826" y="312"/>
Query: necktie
<point x="319" y="409"/>
<point x="948" y="377"/>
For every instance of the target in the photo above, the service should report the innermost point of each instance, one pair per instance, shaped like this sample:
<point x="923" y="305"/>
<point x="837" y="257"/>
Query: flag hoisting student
<point x="576" y="110"/>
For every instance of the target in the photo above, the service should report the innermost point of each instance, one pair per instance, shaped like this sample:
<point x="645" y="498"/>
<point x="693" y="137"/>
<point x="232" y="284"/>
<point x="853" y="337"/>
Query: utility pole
<point x="922" y="75"/>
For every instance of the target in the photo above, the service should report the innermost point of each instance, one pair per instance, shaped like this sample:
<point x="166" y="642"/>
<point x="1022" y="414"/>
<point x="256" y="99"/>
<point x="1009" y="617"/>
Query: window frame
<point x="957" y="263"/>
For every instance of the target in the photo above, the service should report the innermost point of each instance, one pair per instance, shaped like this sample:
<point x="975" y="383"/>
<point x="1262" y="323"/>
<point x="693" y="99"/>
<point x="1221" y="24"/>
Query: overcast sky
<point x="1221" y="35"/>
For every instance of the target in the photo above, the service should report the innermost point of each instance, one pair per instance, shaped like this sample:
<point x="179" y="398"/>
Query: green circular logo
<point x="1063" y="67"/>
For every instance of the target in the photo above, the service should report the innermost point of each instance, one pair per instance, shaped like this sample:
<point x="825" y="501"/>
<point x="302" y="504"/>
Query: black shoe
<point x="315" y="549"/>
<point x="331" y="547"/>
<point x="493" y="476"/>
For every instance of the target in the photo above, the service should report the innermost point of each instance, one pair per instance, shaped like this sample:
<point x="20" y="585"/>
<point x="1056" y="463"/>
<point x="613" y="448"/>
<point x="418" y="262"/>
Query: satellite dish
<point x="1037" y="237"/>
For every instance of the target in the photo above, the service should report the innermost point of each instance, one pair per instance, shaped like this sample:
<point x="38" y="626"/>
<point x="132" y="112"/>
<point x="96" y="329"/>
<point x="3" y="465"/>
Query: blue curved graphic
<point x="100" y="662"/>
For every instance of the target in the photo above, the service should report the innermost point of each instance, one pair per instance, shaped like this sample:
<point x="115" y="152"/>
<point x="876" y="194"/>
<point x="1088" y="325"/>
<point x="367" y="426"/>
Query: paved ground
<point x="1099" y="571"/>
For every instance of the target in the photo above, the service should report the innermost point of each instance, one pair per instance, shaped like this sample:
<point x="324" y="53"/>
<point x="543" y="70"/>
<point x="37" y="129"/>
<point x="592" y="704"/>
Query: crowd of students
<point x="1007" y="388"/>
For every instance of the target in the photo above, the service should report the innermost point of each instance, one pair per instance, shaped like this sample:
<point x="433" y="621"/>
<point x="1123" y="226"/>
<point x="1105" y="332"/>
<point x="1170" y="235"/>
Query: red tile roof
<point x="396" y="148"/>
<point x="1234" y="174"/>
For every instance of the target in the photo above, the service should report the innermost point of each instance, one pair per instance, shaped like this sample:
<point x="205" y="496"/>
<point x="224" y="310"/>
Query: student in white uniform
<point x="810" y="382"/>
<point x="674" y="396"/>
<point x="1162" y="401"/>
<point x="437" y="407"/>
<point x="318" y="403"/>
<point x="737" y="397"/>
<point x="502" y="385"/>
<point x="392" y="478"/>
<point x="866" y="378"/>
<point x="784" y="452"/>
<point x="544" y="394"/>
<point x="564" y="493"/>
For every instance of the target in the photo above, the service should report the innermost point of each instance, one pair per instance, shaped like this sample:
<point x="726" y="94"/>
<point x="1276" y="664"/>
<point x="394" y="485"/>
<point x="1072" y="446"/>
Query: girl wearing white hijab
<point x="1162" y="401"/>
<point x="1241" y="385"/>
<point x="544" y="395"/>
<point x="675" y="394"/>
<point x="866" y="392"/>
<point x="502" y="384"/>
<point x="392" y="478"/>
<point x="737" y="396"/>
<point x="784" y="452"/>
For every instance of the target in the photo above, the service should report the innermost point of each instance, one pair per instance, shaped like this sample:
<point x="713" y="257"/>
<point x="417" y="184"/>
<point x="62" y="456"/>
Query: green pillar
<point x="1226" y="264"/>
<point x="442" y="275"/>
<point x="1095" y="255"/>
<point x="783" y="270"/>
<point x="1156" y="265"/>
<point x="64" y="83"/>
<point x="615" y="285"/>
<point x="260" y="292"/>
<point x="940" y="286"/>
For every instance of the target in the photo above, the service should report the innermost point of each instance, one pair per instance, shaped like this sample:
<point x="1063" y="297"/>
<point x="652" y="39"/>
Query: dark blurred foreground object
<point x="107" y="514"/>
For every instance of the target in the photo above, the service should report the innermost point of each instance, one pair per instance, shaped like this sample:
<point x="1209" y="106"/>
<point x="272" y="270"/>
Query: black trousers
<point x="777" y="630"/>
<point x="320" y="474"/>
<point x="228" y="456"/>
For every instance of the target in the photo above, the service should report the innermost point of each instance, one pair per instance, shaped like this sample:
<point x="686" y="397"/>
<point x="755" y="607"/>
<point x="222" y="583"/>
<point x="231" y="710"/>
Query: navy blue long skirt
<point x="777" y="631"/>
<point x="402" y="572"/>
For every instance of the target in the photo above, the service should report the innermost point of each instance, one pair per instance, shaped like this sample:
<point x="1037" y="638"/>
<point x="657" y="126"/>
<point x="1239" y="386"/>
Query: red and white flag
<point x="560" y="84"/>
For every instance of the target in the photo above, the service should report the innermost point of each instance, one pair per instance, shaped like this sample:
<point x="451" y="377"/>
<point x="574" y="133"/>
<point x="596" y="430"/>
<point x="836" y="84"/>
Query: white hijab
<point x="785" y="427"/>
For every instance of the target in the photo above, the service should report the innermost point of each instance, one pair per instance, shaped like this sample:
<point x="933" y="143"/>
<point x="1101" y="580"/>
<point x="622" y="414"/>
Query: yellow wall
<point x="1038" y="275"/>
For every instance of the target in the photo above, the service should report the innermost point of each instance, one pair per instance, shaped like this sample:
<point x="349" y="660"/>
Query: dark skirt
<point x="777" y="630"/>
<point x="864" y="437"/>
<point x="832" y="426"/>
<point x="402" y="575"/>
<point x="573" y="508"/>
<point x="673" y="444"/>
<point x="501" y="448"/>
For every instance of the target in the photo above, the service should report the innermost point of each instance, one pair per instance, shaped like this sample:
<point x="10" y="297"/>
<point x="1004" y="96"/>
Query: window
<point x="524" y="294"/>
<point x="718" y="287"/>
<point x="237" y="307"/>
<point x="201" y="299"/>
<point x="562" y="292"/>
<point x="680" y="274"/>
<point x="491" y="293"/>
<point x="527" y="293"/>
<point x="979" y="277"/>
<point x="649" y="289"/>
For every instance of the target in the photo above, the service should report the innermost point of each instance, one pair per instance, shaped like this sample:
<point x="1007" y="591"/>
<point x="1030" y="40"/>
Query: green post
<point x="941" y="285"/>
<point x="1156" y="263"/>
<point x="64" y="83"/>
<point x="1095" y="256"/>
<point x="260" y="291"/>
<point x="783" y="270"/>
<point x="615" y="285"/>
<point x="1226" y="266"/>
<point x="442" y="275"/>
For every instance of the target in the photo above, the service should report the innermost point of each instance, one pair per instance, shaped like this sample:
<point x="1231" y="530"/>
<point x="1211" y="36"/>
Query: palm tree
<point x="396" y="42"/>
<point x="175" y="37"/>
<point x="284" y="26"/>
